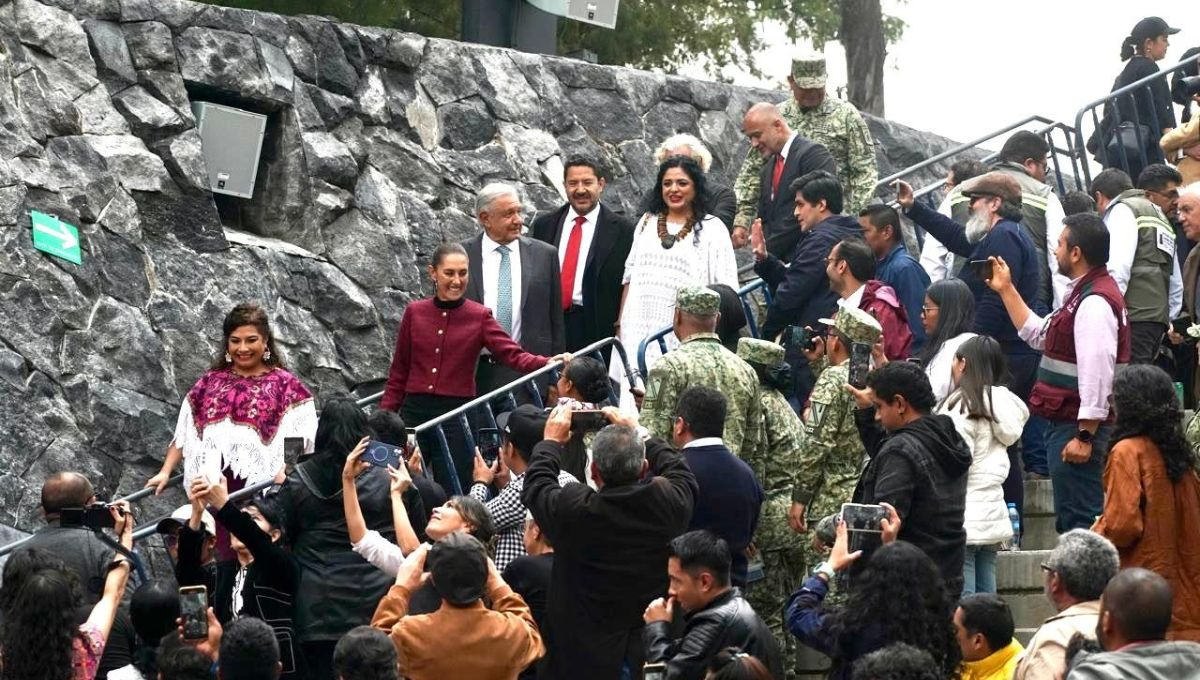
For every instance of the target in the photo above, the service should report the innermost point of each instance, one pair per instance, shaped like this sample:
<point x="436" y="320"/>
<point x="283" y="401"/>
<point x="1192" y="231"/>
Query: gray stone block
<point x="150" y="45"/>
<point x="1020" y="570"/>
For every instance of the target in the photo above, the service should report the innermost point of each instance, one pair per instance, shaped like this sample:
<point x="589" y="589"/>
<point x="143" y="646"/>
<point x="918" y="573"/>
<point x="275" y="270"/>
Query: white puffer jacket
<point x="986" y="516"/>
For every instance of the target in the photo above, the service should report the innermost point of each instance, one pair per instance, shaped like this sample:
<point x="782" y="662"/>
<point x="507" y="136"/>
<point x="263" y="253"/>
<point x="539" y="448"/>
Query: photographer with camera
<point x="1185" y="139"/>
<point x="520" y="431"/>
<point x="610" y="544"/>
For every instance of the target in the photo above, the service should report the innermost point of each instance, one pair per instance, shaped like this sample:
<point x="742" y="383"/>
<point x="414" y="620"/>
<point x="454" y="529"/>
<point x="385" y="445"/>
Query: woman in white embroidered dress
<point x="676" y="244"/>
<point x="235" y="419"/>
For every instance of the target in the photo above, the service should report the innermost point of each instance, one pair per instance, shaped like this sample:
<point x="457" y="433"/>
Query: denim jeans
<point x="1078" y="487"/>
<point x="979" y="569"/>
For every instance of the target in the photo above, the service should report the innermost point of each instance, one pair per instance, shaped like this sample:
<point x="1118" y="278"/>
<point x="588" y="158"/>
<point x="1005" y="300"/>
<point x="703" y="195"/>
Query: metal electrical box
<point x="599" y="12"/>
<point x="232" y="141"/>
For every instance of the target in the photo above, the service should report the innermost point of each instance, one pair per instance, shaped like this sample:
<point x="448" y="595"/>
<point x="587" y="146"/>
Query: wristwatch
<point x="825" y="569"/>
<point x="1084" y="436"/>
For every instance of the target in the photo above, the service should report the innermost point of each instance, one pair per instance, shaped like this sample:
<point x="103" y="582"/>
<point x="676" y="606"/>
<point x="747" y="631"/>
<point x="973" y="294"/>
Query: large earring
<point x="267" y="355"/>
<point x="228" y="359"/>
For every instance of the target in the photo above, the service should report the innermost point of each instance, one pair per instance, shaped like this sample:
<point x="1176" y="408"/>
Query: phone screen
<point x="489" y="444"/>
<point x="654" y="671"/>
<point x="293" y="449"/>
<point x="193" y="609"/>
<point x="381" y="454"/>
<point x="860" y="364"/>
<point x="588" y="420"/>
<point x="863" y="525"/>
<point x="983" y="268"/>
<point x="410" y="442"/>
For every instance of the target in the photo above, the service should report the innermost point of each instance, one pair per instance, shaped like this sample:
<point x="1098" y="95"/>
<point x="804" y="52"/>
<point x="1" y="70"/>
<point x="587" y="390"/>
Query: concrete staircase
<point x="1019" y="577"/>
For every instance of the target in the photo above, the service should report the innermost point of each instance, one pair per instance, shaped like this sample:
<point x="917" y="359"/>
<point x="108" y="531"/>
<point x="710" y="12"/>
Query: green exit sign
<point x="55" y="237"/>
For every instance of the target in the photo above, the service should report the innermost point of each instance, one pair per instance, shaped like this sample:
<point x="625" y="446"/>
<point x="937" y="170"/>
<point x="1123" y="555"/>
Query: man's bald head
<point x="1135" y="607"/>
<point x="766" y="129"/>
<point x="65" y="490"/>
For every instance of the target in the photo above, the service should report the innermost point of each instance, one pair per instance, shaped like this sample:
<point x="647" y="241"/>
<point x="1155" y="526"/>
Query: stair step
<point x="1029" y="609"/>
<point x="1024" y="635"/>
<point x="1020" y="570"/>
<point x="1039" y="533"/>
<point x="1039" y="497"/>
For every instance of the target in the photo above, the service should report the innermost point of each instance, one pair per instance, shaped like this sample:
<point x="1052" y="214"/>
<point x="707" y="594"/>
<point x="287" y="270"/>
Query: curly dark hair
<point x="1146" y="406"/>
<point x="40" y="627"/>
<point x="897" y="662"/>
<point x="700" y="206"/>
<point x="899" y="596"/>
<point x="247" y="314"/>
<point x="19" y="567"/>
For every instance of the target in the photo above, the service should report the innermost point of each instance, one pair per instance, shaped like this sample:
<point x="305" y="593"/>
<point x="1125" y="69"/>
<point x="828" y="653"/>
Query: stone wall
<point x="376" y="142"/>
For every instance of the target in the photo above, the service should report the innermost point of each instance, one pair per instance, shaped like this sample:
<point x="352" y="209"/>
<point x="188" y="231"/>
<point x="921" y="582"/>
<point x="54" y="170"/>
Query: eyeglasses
<point x="928" y="310"/>
<point x="1169" y="195"/>
<point x="1048" y="569"/>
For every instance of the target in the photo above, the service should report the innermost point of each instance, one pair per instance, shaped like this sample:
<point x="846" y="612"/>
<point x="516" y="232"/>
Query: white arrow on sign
<point x="58" y="231"/>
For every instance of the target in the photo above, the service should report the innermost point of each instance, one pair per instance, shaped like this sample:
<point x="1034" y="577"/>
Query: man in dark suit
<point x="610" y="545"/>
<point x="511" y="275"/>
<point x="592" y="243"/>
<point x="787" y="156"/>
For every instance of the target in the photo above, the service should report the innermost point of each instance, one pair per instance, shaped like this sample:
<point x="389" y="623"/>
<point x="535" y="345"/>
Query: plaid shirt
<point x="508" y="513"/>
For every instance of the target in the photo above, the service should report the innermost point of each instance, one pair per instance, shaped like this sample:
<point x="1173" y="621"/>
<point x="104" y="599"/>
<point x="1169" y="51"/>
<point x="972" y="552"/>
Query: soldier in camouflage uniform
<point x="700" y="359"/>
<point x="777" y="466"/>
<point x="831" y="453"/>
<point x="826" y="120"/>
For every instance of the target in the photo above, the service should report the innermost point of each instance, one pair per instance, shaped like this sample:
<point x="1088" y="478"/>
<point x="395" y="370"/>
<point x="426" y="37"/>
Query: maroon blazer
<point x="437" y="348"/>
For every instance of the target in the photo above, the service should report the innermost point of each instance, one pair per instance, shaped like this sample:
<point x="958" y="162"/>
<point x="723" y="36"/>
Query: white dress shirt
<point x="1122" y="248"/>
<point x="491" y="279"/>
<point x="854" y="300"/>
<point x="704" y="441"/>
<point x="585" y="245"/>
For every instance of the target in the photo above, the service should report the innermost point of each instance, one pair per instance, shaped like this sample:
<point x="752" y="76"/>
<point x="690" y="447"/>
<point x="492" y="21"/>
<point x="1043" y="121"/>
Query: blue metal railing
<point x="436" y="426"/>
<point x="660" y="336"/>
<point x="1110" y="111"/>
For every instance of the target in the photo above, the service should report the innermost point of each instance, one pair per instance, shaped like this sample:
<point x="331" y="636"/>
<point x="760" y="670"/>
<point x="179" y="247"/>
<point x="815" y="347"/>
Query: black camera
<point x="1190" y="86"/>
<point x="94" y="516"/>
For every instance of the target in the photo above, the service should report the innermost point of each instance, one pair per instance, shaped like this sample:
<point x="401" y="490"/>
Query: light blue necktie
<point x="504" y="291"/>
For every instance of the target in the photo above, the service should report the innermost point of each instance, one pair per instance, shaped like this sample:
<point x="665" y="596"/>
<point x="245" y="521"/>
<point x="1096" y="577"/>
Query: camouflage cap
<point x="761" y="352"/>
<point x="809" y="72"/>
<point x="856" y="325"/>
<point x="698" y="300"/>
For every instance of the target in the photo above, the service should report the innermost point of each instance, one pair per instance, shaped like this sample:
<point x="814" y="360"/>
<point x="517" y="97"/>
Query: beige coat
<point x="1182" y="137"/>
<point x="1046" y="656"/>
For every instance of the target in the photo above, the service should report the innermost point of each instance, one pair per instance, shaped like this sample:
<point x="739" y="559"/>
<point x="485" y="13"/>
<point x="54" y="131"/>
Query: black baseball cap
<point x="1151" y="27"/>
<point x="524" y="426"/>
<point x="458" y="567"/>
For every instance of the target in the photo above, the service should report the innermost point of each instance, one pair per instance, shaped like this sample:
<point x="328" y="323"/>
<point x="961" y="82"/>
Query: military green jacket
<point x="777" y="464"/>
<point x="831" y="454"/>
<point x="841" y="129"/>
<point x="702" y="360"/>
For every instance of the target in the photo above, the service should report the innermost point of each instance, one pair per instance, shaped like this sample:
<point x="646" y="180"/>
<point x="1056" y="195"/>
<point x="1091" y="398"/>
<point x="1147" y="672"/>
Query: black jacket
<point x="727" y="621"/>
<point x="921" y="470"/>
<point x="610" y="557"/>
<point x="603" y="271"/>
<point x="802" y="294"/>
<point x="338" y="589"/>
<point x="270" y="583"/>
<point x="778" y="212"/>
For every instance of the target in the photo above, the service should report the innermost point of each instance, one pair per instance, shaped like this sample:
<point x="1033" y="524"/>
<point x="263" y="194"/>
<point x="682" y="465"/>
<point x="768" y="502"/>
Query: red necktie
<point x="778" y="174"/>
<point x="571" y="262"/>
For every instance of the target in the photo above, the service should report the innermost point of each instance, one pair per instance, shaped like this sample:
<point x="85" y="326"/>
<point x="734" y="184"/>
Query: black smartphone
<point x="860" y="364"/>
<point x="983" y="268"/>
<point x="489" y="444"/>
<point x="588" y="420"/>
<point x="293" y="449"/>
<point x="193" y="609"/>
<point x="94" y="516"/>
<point x="382" y="455"/>
<point x="863" y="526"/>
<point x="654" y="671"/>
<point x="801" y="338"/>
<point x="1181" y="325"/>
<point x="410" y="442"/>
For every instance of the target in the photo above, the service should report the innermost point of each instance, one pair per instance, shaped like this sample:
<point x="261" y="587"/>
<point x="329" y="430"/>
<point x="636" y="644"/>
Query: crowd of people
<point x="846" y="482"/>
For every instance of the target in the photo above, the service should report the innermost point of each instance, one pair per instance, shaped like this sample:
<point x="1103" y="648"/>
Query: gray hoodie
<point x="1155" y="661"/>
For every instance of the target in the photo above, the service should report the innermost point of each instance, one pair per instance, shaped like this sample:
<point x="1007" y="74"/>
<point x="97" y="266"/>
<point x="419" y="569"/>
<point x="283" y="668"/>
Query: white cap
<point x="180" y="518"/>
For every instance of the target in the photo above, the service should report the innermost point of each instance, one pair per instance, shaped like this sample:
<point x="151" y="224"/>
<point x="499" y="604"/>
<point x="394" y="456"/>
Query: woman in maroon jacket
<point x="433" y="367"/>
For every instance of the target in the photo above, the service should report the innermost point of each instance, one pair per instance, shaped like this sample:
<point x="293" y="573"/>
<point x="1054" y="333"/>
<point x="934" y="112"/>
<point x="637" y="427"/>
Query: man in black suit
<point x="511" y="275"/>
<point x="787" y="156"/>
<point x="592" y="243"/>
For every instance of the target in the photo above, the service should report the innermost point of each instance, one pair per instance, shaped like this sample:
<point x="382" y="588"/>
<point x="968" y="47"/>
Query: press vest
<point x="1147" y="295"/>
<point x="1034" y="198"/>
<point x="1055" y="395"/>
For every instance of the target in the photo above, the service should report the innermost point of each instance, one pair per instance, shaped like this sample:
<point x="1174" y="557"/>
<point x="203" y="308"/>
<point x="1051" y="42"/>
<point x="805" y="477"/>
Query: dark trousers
<point x="1078" y="487"/>
<point x="452" y="469"/>
<point x="575" y="328"/>
<point x="318" y="656"/>
<point x="1031" y="450"/>
<point x="1145" y="338"/>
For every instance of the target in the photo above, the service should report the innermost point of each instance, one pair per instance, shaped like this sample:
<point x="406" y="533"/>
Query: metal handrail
<point x="1112" y="97"/>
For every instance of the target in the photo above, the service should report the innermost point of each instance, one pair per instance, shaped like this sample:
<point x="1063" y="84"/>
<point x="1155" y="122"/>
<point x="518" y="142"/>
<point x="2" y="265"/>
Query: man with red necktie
<point x="592" y="243"/>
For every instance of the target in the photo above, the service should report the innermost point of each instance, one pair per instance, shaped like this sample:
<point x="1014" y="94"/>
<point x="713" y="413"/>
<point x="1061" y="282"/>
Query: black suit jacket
<point x="541" y="314"/>
<point x="778" y="212"/>
<point x="603" y="271"/>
